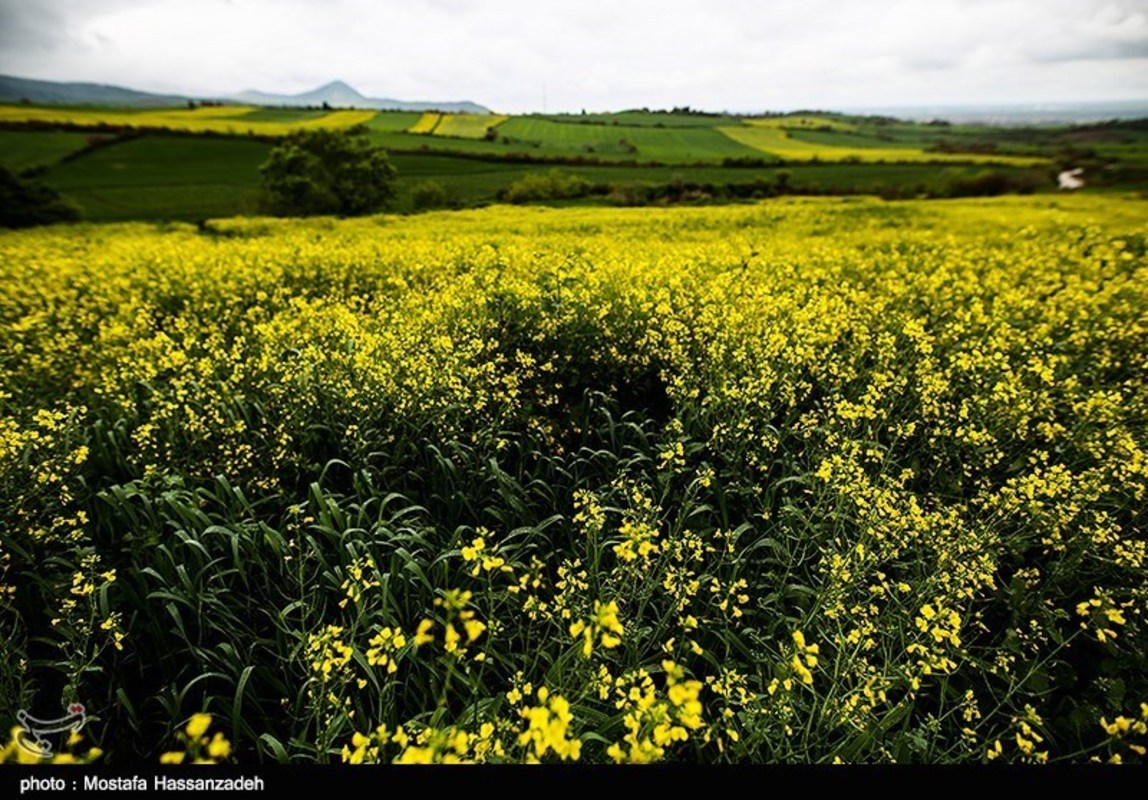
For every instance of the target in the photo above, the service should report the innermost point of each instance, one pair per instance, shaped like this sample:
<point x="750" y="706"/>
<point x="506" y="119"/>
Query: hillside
<point x="336" y="94"/>
<point x="19" y="90"/>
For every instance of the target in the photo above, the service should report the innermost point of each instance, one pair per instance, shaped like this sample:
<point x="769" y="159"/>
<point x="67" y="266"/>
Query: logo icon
<point x="33" y="730"/>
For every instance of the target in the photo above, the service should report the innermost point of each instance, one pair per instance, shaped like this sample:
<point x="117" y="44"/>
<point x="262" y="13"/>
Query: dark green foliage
<point x="24" y="203"/>
<point x="327" y="172"/>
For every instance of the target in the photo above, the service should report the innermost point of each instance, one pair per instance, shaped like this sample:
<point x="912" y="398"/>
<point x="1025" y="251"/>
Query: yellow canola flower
<point x="198" y="725"/>
<point x="423" y="635"/>
<point x="603" y="626"/>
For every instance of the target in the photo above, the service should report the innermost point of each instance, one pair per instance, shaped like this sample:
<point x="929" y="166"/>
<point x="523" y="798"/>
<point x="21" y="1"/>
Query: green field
<point x="189" y="178"/>
<point x="19" y="151"/>
<point x="643" y="143"/>
<point x="393" y="121"/>
<point x="160" y="177"/>
<point x="644" y="118"/>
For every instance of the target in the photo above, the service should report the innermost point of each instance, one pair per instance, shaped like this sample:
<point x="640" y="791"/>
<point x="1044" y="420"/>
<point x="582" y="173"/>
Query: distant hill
<point x="339" y="95"/>
<point x="16" y="90"/>
<point x="336" y="94"/>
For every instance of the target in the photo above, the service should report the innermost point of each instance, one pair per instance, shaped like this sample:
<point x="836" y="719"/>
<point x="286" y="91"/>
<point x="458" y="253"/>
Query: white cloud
<point x="597" y="54"/>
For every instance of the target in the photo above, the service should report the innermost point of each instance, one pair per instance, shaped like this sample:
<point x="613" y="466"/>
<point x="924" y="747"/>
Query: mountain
<point x="339" y="95"/>
<point x="16" y="90"/>
<point x="335" y="94"/>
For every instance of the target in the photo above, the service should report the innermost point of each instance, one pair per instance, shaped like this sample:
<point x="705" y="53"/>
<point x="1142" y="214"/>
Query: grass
<point x="21" y="150"/>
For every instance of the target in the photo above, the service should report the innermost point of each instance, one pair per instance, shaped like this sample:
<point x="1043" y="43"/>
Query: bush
<point x="989" y="183"/>
<point x="429" y="194"/>
<point x="24" y="203"/>
<point x="629" y="194"/>
<point x="552" y="185"/>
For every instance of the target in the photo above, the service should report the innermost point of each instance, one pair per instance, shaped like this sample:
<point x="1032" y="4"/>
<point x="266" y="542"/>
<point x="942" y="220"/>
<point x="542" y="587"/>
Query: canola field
<point x="775" y="137"/>
<point x="809" y="481"/>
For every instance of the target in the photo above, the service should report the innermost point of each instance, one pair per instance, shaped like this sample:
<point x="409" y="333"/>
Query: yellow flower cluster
<point x="603" y="627"/>
<point x="198" y="747"/>
<point x="549" y="728"/>
<point x="870" y="473"/>
<point x="654" y="722"/>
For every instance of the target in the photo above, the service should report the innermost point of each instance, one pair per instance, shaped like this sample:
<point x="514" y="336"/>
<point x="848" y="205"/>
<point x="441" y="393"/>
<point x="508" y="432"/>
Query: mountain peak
<point x="341" y="87"/>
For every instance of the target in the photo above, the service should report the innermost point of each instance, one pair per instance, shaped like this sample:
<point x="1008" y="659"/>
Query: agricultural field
<point x="235" y="120"/>
<point x="626" y="158"/>
<point x="468" y="126"/>
<point x="181" y="178"/>
<point x="156" y="177"/>
<point x="645" y="137"/>
<point x="20" y="151"/>
<point x="393" y="121"/>
<point x="811" y="480"/>
<point x="772" y="137"/>
<point x="640" y="142"/>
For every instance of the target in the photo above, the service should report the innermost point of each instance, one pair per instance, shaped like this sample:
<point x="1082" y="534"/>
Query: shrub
<point x="24" y="203"/>
<point x="552" y="185"/>
<point x="429" y="194"/>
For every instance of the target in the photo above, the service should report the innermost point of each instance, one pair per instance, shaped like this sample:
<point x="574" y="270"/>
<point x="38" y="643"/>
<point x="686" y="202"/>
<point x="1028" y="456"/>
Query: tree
<point x="24" y="203"/>
<point x="327" y="172"/>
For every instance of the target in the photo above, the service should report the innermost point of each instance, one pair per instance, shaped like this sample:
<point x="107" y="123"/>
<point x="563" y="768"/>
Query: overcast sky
<point x="519" y="55"/>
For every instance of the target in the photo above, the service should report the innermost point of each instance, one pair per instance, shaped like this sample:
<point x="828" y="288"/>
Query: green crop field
<point x="393" y="121"/>
<point x="644" y="143"/>
<point x="834" y="139"/>
<point x="160" y="177"/>
<point x="644" y="118"/>
<point x="20" y="150"/>
<point x="187" y="178"/>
